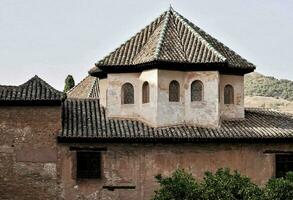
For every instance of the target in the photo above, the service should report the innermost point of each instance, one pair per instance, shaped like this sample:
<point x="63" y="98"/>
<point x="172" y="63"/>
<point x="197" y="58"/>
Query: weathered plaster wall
<point x="148" y="111"/>
<point x="170" y="113"/>
<point x="103" y="87"/>
<point x="137" y="164"/>
<point x="28" y="152"/>
<point x="236" y="110"/>
<point x="205" y="112"/>
<point x="114" y="106"/>
<point x="159" y="111"/>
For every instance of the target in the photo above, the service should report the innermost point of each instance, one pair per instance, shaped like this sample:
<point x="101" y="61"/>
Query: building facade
<point x="170" y="97"/>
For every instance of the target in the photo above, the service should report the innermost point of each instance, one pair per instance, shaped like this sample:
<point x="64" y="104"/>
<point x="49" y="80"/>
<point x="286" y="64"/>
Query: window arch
<point x="127" y="94"/>
<point x="174" y="91"/>
<point x="196" y="91"/>
<point x="145" y="92"/>
<point x="228" y="94"/>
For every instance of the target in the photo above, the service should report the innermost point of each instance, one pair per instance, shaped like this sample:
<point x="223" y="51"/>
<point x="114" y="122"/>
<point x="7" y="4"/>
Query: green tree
<point x="69" y="83"/>
<point x="279" y="188"/>
<point x="180" y="185"/>
<point x="224" y="185"/>
<point x="221" y="185"/>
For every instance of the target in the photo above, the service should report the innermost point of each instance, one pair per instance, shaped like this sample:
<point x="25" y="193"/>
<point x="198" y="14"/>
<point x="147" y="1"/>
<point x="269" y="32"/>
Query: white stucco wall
<point x="148" y="111"/>
<point x="114" y="106"/>
<point x="103" y="86"/>
<point x="236" y="110"/>
<point x="205" y="112"/>
<point x="170" y="113"/>
<point x="160" y="112"/>
<point x="144" y="111"/>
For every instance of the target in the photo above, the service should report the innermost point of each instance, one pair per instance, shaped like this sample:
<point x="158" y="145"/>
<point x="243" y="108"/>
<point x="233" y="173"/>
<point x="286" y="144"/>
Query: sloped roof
<point x="87" y="88"/>
<point x="86" y="120"/>
<point x="33" y="91"/>
<point x="172" y="38"/>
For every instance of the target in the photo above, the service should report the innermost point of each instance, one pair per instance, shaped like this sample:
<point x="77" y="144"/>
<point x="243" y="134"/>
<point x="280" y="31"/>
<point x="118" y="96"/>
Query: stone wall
<point x="137" y="164"/>
<point x="28" y="152"/>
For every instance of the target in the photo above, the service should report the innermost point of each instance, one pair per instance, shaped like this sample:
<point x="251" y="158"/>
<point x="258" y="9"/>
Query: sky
<point x="54" y="38"/>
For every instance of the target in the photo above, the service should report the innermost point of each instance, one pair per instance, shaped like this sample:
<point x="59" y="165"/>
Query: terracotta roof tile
<point x="172" y="38"/>
<point x="86" y="119"/>
<point x="87" y="88"/>
<point x="34" y="90"/>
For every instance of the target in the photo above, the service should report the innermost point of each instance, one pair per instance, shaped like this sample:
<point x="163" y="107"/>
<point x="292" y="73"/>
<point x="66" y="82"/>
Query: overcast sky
<point x="53" y="38"/>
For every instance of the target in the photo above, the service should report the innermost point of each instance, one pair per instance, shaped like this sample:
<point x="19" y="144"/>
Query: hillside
<point x="257" y="84"/>
<point x="268" y="92"/>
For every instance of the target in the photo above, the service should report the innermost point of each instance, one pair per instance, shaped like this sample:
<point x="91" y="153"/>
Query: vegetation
<point x="259" y="85"/>
<point x="279" y="188"/>
<point x="69" y="83"/>
<point x="222" y="185"/>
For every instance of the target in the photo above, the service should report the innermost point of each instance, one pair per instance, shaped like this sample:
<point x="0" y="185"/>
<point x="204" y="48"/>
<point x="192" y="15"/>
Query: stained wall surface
<point x="137" y="164"/>
<point x="160" y="111"/>
<point x="103" y="87"/>
<point x="236" y="110"/>
<point x="28" y="152"/>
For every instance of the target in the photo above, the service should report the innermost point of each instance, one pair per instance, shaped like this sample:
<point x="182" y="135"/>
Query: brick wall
<point x="137" y="164"/>
<point x="28" y="152"/>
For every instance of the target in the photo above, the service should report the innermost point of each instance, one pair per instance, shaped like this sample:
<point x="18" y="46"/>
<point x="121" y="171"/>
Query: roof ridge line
<point x="93" y="87"/>
<point x="202" y="38"/>
<point x="77" y="84"/>
<point x="126" y="41"/>
<point x="93" y="83"/>
<point x="180" y="41"/>
<point x="162" y="35"/>
<point x="42" y="82"/>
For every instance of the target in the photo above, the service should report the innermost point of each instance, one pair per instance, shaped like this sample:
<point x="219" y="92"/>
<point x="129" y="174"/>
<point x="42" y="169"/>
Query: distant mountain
<point x="268" y="92"/>
<point x="257" y="84"/>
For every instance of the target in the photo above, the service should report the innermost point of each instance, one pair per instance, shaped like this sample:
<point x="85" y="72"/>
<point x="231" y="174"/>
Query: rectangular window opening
<point x="284" y="164"/>
<point x="88" y="165"/>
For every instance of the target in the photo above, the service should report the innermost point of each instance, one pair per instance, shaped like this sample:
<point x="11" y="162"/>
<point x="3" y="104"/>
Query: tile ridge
<point x="42" y="82"/>
<point x="209" y="46"/>
<point x="180" y="39"/>
<point x="102" y="61"/>
<point x="162" y="35"/>
<point x="94" y="85"/>
<point x="77" y="84"/>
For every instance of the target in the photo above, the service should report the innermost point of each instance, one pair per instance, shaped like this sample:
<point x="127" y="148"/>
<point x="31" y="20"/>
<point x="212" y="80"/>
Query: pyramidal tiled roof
<point x="34" y="90"/>
<point x="172" y="38"/>
<point x="87" y="88"/>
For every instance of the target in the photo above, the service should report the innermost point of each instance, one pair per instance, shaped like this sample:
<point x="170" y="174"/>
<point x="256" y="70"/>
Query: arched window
<point x="228" y="94"/>
<point x="127" y="94"/>
<point x="196" y="91"/>
<point x="174" y="91"/>
<point x="145" y="92"/>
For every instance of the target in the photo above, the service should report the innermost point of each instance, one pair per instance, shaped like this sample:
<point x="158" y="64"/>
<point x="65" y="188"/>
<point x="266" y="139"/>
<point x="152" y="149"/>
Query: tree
<point x="69" y="83"/>
<point x="225" y="185"/>
<point x="180" y="185"/>
<point x="279" y="188"/>
<point x="221" y="185"/>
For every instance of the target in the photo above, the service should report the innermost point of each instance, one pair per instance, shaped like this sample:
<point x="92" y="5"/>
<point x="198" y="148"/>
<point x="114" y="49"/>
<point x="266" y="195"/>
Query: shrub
<point x="225" y="185"/>
<point x="222" y="185"/>
<point x="279" y="188"/>
<point x="180" y="185"/>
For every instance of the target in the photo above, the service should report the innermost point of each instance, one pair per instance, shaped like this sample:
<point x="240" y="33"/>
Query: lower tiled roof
<point x="87" y="88"/>
<point x="34" y="91"/>
<point x="86" y="120"/>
